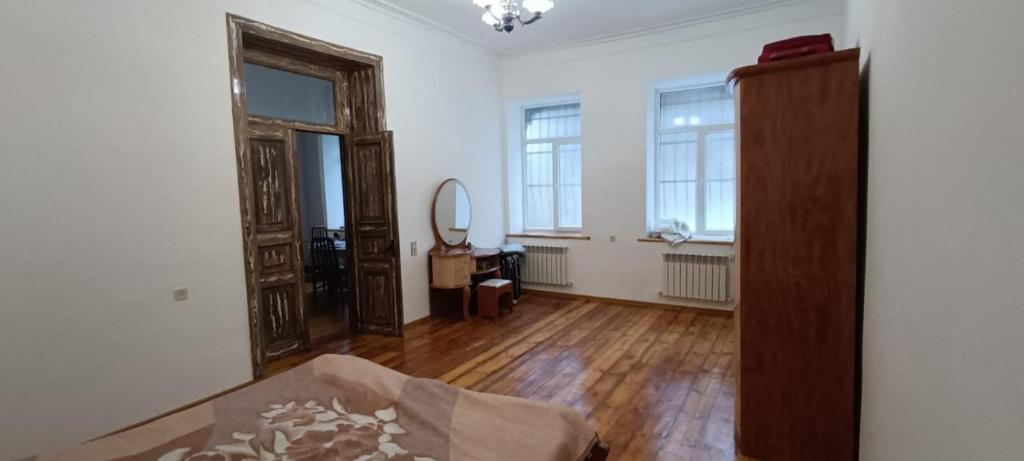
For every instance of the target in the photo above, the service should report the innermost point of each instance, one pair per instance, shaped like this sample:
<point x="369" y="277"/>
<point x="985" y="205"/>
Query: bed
<point x="344" y="407"/>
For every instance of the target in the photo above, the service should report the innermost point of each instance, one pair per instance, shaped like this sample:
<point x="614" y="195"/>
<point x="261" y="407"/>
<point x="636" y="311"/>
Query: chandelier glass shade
<point x="504" y="15"/>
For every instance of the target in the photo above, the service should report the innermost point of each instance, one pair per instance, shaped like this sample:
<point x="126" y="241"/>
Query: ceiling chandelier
<point x="505" y="14"/>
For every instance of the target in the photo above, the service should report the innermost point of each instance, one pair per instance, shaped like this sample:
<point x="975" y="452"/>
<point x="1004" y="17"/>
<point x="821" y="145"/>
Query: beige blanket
<point x="342" y="407"/>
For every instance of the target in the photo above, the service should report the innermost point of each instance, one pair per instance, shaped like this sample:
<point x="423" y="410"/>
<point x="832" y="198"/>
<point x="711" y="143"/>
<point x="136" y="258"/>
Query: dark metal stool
<point x="511" y="264"/>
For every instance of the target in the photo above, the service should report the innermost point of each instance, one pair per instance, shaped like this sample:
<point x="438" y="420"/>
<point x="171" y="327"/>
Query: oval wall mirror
<point x="453" y="212"/>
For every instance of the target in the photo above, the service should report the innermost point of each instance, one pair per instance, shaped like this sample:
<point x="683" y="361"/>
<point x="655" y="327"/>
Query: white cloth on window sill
<point x="673" y="231"/>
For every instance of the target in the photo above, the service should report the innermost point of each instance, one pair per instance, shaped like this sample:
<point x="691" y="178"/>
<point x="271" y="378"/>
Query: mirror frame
<point x="433" y="216"/>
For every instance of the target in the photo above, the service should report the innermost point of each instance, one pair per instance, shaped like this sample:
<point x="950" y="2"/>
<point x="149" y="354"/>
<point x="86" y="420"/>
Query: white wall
<point x="943" y="345"/>
<point x="613" y="79"/>
<point x="118" y="184"/>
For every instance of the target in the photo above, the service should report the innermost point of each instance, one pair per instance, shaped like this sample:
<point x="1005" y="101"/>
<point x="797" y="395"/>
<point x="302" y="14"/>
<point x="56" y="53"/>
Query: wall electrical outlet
<point x="611" y="238"/>
<point x="412" y="248"/>
<point x="180" y="294"/>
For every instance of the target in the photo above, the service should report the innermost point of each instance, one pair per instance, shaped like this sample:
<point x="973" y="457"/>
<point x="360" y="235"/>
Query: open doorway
<point x="321" y="189"/>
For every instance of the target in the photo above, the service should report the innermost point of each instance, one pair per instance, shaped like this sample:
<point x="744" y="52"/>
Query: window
<point x="694" y="162"/>
<point x="286" y="95"/>
<point x="551" y="170"/>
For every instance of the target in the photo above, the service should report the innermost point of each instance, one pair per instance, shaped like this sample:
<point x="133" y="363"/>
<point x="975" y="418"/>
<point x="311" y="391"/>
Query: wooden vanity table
<point x="456" y="267"/>
<point x="455" y="273"/>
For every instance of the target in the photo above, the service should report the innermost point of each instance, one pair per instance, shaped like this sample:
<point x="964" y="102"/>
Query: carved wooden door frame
<point x="359" y="108"/>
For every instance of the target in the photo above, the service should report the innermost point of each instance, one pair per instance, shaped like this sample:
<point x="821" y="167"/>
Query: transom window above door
<point x="693" y="166"/>
<point x="551" y="168"/>
<point x="276" y="93"/>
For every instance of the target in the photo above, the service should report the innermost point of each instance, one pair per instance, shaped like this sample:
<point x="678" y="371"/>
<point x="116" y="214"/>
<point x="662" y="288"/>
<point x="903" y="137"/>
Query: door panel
<point x="271" y="181"/>
<point x="373" y="243"/>
<point x="369" y="169"/>
<point x="275" y="258"/>
<point x="371" y="209"/>
<point x="275" y="244"/>
<point x="376" y="290"/>
<point x="281" y="330"/>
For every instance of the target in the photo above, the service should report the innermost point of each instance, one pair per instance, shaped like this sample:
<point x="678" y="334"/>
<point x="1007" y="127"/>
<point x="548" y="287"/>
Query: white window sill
<point x="706" y="239"/>
<point x="550" y="235"/>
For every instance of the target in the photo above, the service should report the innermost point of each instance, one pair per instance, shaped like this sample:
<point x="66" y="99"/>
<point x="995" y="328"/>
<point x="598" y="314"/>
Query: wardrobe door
<point x="797" y="125"/>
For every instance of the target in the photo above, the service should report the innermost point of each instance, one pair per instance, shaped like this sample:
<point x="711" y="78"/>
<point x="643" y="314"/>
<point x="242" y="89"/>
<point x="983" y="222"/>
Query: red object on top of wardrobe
<point x="796" y="47"/>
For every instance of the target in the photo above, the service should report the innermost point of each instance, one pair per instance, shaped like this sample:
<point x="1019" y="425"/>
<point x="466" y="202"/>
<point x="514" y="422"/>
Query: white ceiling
<point x="569" y="21"/>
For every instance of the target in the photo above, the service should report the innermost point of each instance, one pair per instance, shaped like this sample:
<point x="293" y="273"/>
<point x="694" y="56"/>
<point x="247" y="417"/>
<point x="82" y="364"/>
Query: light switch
<point x="412" y="248"/>
<point x="180" y="294"/>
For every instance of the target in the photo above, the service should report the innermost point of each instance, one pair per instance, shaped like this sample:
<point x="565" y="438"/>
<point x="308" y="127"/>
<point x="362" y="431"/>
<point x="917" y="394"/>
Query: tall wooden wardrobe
<point x="797" y="128"/>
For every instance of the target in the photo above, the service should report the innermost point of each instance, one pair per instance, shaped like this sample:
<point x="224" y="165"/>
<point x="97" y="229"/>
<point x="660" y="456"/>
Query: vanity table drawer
<point x="452" y="271"/>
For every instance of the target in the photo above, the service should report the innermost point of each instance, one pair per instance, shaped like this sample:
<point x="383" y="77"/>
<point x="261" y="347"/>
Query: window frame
<point x="556" y="185"/>
<point x="654" y="171"/>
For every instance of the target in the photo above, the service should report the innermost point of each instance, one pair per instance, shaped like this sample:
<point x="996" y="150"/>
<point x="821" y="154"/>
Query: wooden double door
<point x="277" y="240"/>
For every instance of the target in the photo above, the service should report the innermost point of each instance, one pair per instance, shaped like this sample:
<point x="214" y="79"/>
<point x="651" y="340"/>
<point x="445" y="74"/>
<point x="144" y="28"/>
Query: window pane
<point x="679" y="201"/>
<point x="721" y="163"/>
<point x="538" y="170"/>
<point x="562" y="121"/>
<point x="287" y="95"/>
<point x="570" y="210"/>
<point x="538" y="180"/>
<point x="701" y="106"/>
<point x="538" y="207"/>
<point x="678" y="152"/>
<point x="720" y="184"/>
<point x="720" y="212"/>
<point x="677" y="182"/>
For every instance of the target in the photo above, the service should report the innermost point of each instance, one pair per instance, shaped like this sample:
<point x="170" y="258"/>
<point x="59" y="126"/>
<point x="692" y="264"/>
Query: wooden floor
<point x="325" y="314"/>
<point x="656" y="383"/>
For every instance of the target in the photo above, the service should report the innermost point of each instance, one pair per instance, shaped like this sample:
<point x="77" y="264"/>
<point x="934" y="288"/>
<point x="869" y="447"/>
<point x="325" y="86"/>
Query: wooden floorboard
<point x="656" y="382"/>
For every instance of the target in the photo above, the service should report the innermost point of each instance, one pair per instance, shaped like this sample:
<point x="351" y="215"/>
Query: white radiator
<point x="701" y="277"/>
<point x="546" y="265"/>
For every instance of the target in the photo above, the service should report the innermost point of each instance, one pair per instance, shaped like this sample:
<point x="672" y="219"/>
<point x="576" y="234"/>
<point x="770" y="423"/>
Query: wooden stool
<point x="491" y="293"/>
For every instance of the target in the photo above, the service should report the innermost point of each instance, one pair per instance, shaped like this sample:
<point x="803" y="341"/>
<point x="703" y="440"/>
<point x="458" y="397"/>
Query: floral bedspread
<point x="346" y="408"/>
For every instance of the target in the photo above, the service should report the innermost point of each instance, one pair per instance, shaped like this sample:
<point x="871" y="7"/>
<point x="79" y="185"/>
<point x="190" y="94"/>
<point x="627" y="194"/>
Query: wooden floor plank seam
<point x="524" y="365"/>
<point x="519" y="347"/>
<point x="474" y="362"/>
